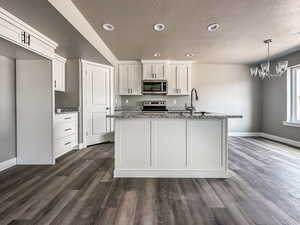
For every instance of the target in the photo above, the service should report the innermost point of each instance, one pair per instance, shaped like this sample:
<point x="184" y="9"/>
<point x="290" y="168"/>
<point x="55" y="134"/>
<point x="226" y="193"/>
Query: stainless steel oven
<point x="155" y="87"/>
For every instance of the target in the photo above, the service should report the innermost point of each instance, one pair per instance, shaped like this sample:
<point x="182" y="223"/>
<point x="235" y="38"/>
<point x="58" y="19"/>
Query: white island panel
<point x="133" y="144"/>
<point x="205" y="150"/>
<point x="169" y="143"/>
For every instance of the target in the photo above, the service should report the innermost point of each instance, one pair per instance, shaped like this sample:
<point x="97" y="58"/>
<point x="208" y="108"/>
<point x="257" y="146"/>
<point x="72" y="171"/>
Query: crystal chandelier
<point x="264" y="70"/>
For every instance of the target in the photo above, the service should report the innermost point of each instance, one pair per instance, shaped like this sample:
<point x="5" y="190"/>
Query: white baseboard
<point x="266" y="135"/>
<point x="7" y="164"/>
<point x="171" y="173"/>
<point x="281" y="139"/>
<point x="80" y="146"/>
<point x="244" y="134"/>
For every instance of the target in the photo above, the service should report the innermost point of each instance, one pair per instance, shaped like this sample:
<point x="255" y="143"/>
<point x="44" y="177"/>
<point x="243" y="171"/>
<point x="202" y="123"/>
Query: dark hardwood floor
<point x="263" y="189"/>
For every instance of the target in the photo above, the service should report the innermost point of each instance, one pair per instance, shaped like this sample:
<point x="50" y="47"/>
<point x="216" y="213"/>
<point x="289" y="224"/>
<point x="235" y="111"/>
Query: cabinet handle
<point x="23" y="37"/>
<point x="128" y="90"/>
<point x="68" y="129"/>
<point x="28" y="39"/>
<point x="67" y="118"/>
<point x="68" y="143"/>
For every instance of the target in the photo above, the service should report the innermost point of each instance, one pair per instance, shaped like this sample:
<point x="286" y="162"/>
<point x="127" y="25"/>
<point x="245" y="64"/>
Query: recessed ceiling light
<point x="156" y="54"/>
<point x="108" y="27"/>
<point x="189" y="55"/>
<point x="159" y="27"/>
<point x="213" y="27"/>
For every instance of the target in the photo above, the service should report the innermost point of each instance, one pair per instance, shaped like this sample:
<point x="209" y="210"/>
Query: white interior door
<point x="97" y="104"/>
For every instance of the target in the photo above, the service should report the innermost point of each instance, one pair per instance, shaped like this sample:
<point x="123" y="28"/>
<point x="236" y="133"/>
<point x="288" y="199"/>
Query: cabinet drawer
<point x="65" y="145"/>
<point x="65" y="117"/>
<point x="65" y="129"/>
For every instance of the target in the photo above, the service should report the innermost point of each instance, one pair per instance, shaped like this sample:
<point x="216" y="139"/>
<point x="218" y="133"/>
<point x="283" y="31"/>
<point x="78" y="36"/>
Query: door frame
<point x="83" y="68"/>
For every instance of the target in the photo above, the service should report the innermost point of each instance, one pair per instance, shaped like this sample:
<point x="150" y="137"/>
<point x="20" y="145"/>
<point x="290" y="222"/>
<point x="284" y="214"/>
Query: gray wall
<point x="274" y="103"/>
<point x="7" y="109"/>
<point x="224" y="88"/>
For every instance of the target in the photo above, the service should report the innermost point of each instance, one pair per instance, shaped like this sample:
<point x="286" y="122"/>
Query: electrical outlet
<point x="127" y="101"/>
<point x="175" y="102"/>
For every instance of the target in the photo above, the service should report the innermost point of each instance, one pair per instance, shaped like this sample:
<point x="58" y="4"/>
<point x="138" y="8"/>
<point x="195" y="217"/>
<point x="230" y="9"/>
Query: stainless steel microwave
<point x="155" y="87"/>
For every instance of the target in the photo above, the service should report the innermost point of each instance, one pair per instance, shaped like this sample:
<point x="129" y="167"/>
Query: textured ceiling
<point x="42" y="16"/>
<point x="244" y="26"/>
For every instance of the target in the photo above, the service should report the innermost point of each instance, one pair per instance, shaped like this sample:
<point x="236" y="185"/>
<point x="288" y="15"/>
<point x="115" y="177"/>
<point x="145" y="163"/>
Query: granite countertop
<point x="171" y="115"/>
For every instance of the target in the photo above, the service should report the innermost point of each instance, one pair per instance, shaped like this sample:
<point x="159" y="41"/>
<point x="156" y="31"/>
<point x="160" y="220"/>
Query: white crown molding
<point x="96" y="64"/>
<point x="68" y="9"/>
<point x="7" y="164"/>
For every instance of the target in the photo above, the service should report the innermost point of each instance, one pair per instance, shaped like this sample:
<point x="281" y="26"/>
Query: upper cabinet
<point x="130" y="78"/>
<point x="59" y="70"/>
<point x="179" y="78"/>
<point x="154" y="70"/>
<point x="18" y="32"/>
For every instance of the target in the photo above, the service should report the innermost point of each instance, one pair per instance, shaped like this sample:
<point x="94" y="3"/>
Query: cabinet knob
<point x="107" y="108"/>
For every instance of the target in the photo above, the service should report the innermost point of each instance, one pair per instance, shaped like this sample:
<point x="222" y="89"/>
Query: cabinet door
<point x="134" y="79"/>
<point x="183" y="79"/>
<point x="148" y="72"/>
<point x="159" y="71"/>
<point x="169" y="139"/>
<point x="205" y="144"/>
<point x="59" y="75"/>
<point x="123" y="80"/>
<point x="10" y="31"/>
<point x="133" y="144"/>
<point x="172" y="80"/>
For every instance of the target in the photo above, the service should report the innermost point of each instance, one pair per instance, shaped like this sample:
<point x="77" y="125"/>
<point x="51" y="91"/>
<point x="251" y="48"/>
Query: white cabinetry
<point x="157" y="147"/>
<point x="130" y="74"/>
<point x="18" y="32"/>
<point x="202" y="141"/>
<point x="179" y="78"/>
<point x="65" y="133"/>
<point x="162" y="132"/>
<point x="59" y="70"/>
<point x="134" y="136"/>
<point x="154" y="70"/>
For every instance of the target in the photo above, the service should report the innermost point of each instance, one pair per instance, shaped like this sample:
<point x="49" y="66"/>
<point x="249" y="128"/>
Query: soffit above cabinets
<point x="243" y="24"/>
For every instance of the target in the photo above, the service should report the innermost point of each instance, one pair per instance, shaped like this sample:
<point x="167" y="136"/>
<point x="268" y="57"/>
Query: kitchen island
<point x="181" y="145"/>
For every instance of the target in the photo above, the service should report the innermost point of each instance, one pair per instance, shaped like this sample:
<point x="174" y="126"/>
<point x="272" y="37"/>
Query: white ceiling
<point x="41" y="15"/>
<point x="244" y="26"/>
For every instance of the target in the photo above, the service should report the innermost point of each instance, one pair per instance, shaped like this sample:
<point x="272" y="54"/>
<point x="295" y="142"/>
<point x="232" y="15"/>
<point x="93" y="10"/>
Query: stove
<point x="155" y="106"/>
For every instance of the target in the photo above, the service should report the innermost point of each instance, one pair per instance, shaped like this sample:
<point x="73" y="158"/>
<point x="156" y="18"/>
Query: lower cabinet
<point x="65" y="132"/>
<point x="171" y="148"/>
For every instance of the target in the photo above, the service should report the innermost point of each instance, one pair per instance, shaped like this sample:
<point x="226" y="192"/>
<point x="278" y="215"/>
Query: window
<point x="293" y="100"/>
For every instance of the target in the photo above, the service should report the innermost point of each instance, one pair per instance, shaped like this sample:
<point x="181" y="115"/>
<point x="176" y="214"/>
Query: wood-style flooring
<point x="263" y="189"/>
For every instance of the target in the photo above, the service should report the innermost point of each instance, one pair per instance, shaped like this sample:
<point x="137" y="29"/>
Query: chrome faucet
<point x="192" y="107"/>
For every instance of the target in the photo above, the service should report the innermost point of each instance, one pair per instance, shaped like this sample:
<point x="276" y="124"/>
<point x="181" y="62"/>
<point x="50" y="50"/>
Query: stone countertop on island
<point x="171" y="115"/>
